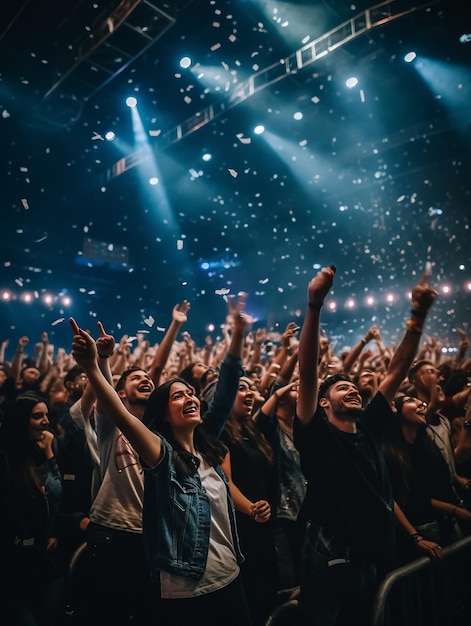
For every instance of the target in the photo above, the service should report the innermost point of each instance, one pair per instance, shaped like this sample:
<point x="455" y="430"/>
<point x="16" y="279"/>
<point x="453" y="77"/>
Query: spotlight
<point x="154" y="180"/>
<point x="27" y="297"/>
<point x="48" y="299"/>
<point x="409" y="57"/>
<point x="258" y="130"/>
<point x="185" y="62"/>
<point x="207" y="157"/>
<point x="298" y="115"/>
<point x="110" y="136"/>
<point x="66" y="301"/>
<point x="6" y="296"/>
<point x="350" y="303"/>
<point x="131" y="102"/>
<point x="351" y="82"/>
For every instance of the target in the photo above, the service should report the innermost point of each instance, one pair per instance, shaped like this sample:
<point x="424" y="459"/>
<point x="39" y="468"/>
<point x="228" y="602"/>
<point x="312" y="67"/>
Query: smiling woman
<point x="30" y="491"/>
<point x="188" y="520"/>
<point x="425" y="501"/>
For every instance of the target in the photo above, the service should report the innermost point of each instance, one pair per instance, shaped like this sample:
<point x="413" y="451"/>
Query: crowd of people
<point x="156" y="484"/>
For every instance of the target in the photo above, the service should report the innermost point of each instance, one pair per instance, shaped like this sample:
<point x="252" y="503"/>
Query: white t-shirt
<point x="118" y="503"/>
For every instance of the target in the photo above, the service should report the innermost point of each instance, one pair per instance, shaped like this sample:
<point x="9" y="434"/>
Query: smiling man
<point x="118" y="584"/>
<point x="348" y="507"/>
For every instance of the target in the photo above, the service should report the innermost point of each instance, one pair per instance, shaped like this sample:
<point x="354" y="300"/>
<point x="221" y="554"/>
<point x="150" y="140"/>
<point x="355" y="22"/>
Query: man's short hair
<point x="415" y="367"/>
<point x="124" y="376"/>
<point x="329" y="381"/>
<point x="72" y="374"/>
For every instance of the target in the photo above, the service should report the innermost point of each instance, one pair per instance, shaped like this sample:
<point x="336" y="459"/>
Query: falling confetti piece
<point x="233" y="173"/>
<point x="242" y="139"/>
<point x="149" y="321"/>
<point x="25" y="204"/>
<point x="58" y="321"/>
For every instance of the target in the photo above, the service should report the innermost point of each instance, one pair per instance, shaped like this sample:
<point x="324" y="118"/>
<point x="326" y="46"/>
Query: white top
<point x="118" y="503"/>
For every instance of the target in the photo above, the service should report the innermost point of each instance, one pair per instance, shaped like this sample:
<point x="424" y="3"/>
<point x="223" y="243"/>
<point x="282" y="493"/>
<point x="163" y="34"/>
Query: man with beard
<point x="349" y="507"/>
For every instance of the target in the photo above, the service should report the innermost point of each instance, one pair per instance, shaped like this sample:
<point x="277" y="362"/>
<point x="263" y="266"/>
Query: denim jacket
<point x="177" y="512"/>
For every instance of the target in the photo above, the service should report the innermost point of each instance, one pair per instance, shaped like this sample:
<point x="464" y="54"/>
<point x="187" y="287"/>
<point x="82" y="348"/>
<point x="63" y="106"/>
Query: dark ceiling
<point x="375" y="179"/>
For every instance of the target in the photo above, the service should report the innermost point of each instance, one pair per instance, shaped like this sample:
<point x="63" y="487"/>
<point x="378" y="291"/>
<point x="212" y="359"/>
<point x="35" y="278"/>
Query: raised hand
<point x="105" y="343"/>
<point x="84" y="349"/>
<point x="319" y="286"/>
<point x="423" y="295"/>
<point x="179" y="313"/>
<point x="236" y="311"/>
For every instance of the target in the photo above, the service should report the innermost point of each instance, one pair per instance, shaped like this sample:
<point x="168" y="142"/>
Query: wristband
<point x="417" y="313"/>
<point x="414" y="327"/>
<point x="416" y="537"/>
<point x="104" y="356"/>
<point x="316" y="307"/>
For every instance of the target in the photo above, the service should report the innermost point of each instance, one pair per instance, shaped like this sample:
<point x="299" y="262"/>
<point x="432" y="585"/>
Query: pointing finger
<point x="75" y="327"/>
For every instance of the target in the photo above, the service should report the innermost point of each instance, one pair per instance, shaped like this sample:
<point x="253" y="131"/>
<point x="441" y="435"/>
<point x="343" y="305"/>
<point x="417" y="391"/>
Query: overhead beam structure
<point x="378" y="15"/>
<point x="102" y="53"/>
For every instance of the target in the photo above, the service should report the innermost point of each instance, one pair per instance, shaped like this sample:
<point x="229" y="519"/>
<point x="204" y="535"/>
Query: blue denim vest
<point x="177" y="512"/>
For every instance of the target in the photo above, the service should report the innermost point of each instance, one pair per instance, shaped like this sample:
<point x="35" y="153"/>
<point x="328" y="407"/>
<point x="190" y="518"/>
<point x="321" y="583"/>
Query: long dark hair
<point x="24" y="455"/>
<point x="240" y="429"/>
<point x="395" y="450"/>
<point x="155" y="418"/>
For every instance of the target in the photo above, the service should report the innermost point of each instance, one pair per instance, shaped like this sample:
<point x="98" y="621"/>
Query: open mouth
<point x="191" y="410"/>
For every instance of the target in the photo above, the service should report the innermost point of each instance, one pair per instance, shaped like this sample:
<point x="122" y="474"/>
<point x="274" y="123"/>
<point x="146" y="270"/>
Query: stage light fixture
<point x="154" y="180"/>
<point x="110" y="136"/>
<point x="258" y="130"/>
<point x="409" y="57"/>
<point x="185" y="62"/>
<point x="131" y="102"/>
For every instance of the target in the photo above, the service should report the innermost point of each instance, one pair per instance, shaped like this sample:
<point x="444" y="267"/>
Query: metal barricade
<point x="426" y="592"/>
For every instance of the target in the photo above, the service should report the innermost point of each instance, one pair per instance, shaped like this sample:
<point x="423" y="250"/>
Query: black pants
<point x="112" y="583"/>
<point x="337" y="588"/>
<point x="227" y="607"/>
